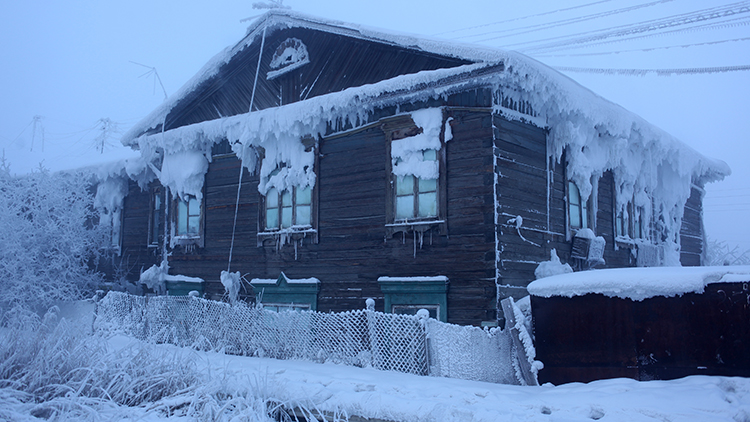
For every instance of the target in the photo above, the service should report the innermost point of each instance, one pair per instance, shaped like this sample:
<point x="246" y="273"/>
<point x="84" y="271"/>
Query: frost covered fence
<point x="362" y="338"/>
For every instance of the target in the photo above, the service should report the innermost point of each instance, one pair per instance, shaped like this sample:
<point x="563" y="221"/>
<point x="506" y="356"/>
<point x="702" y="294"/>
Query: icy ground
<point x="402" y="397"/>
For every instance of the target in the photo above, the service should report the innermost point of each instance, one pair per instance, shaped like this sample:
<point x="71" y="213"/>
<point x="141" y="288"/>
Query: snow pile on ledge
<point x="638" y="283"/>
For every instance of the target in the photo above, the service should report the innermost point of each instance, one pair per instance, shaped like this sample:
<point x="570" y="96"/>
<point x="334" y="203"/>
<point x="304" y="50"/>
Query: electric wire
<point x="659" y="24"/>
<point x="563" y="22"/>
<point x="729" y="23"/>
<point x="521" y="18"/>
<point x="658" y="72"/>
<point x="644" y="50"/>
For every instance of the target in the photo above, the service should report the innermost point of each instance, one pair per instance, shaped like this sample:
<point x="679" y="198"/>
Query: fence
<point x="362" y="338"/>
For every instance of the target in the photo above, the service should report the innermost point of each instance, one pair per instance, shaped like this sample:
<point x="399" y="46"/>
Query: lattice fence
<point x="361" y="338"/>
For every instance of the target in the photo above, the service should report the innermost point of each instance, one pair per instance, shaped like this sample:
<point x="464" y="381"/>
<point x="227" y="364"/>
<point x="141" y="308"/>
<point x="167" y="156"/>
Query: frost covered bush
<point x="48" y="237"/>
<point x="57" y="370"/>
<point x="720" y="253"/>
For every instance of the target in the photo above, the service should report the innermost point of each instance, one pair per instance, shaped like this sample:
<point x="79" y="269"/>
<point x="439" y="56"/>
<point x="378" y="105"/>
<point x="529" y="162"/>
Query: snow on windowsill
<point x="183" y="279"/>
<point x="310" y="280"/>
<point x="303" y="230"/>
<point x="638" y="283"/>
<point x="413" y="279"/>
<point x="414" y="223"/>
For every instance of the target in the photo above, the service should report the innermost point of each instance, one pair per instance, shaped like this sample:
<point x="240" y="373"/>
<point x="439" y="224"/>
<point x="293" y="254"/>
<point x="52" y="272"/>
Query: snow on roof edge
<point x="637" y="283"/>
<point x="287" y="18"/>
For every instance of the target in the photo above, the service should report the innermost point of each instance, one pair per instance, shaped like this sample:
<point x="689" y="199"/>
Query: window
<point x="407" y="295"/>
<point x="156" y="229"/>
<point x="417" y="197"/>
<point x="187" y="223"/>
<point x="288" y="208"/>
<point x="286" y="294"/>
<point x="188" y="217"/>
<point x="578" y="210"/>
<point x="629" y="222"/>
<point x="416" y="200"/>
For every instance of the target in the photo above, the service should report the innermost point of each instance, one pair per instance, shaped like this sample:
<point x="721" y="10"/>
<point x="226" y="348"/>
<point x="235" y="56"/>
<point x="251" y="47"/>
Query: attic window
<point x="290" y="55"/>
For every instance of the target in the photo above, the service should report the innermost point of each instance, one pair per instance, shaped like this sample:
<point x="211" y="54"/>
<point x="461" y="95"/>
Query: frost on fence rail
<point x="470" y="353"/>
<point x="362" y="338"/>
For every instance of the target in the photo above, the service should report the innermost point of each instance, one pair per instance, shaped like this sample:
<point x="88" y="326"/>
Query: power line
<point x="647" y="50"/>
<point x="522" y="17"/>
<point x="658" y="72"/>
<point x="563" y="22"/>
<point x="729" y="23"/>
<point x="640" y="27"/>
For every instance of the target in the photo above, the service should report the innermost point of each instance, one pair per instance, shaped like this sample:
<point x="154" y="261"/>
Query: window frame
<point x="588" y="218"/>
<point x="187" y="240"/>
<point x="156" y="217"/>
<point x="293" y="233"/>
<point x="400" y="127"/>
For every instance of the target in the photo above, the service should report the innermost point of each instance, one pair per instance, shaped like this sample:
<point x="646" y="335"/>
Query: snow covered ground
<point x="58" y="371"/>
<point x="402" y="397"/>
<point x="237" y="388"/>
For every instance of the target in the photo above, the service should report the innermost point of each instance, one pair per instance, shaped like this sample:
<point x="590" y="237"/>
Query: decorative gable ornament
<point x="290" y="55"/>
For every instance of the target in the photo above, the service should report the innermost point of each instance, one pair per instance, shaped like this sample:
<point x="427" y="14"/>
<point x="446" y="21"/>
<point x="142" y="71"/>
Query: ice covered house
<point x="329" y="163"/>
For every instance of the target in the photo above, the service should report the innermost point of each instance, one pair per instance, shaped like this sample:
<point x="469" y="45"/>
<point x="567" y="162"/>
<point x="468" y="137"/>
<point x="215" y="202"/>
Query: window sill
<point x="283" y="236"/>
<point x="419" y="226"/>
<point x="187" y="242"/>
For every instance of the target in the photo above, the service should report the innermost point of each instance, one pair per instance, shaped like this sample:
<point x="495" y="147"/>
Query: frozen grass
<point x="56" y="370"/>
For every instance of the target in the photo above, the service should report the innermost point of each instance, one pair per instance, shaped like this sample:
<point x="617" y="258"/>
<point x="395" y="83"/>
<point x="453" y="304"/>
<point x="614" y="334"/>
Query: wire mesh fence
<point x="362" y="338"/>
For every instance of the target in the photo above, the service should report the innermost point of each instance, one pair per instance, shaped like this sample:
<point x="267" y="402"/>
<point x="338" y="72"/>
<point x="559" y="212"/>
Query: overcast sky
<point x="71" y="64"/>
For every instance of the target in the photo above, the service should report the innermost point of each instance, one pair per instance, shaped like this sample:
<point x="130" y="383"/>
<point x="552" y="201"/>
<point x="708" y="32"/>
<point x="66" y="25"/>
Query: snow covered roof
<point x="596" y="135"/>
<point x="638" y="283"/>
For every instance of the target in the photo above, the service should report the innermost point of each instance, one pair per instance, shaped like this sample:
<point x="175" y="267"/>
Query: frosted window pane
<point x="575" y="197"/>
<point x="272" y="198"/>
<point x="193" y="225"/>
<point x="404" y="207"/>
<point x="272" y="218"/>
<point x="405" y="185"/>
<point x="286" y="216"/>
<point x="430" y="155"/>
<point x="303" y="215"/>
<point x="181" y="218"/>
<point x="428" y="204"/>
<point x="575" y="216"/>
<point x="585" y="216"/>
<point x="286" y="199"/>
<point x="304" y="196"/>
<point x="194" y="207"/>
<point x="427" y="185"/>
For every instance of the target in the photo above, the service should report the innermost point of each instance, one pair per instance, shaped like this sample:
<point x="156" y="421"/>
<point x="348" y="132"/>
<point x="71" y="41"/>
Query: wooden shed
<point x="642" y="324"/>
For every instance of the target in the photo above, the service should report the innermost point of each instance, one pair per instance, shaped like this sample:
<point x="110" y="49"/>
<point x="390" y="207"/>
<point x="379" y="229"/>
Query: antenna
<point x="152" y="71"/>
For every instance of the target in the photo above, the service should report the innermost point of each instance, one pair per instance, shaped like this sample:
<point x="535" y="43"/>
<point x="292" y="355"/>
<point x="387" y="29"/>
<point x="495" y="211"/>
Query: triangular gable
<point x="334" y="59"/>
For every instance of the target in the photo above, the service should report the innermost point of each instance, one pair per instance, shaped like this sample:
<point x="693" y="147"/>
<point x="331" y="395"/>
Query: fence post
<point x="424" y="315"/>
<point x="523" y="359"/>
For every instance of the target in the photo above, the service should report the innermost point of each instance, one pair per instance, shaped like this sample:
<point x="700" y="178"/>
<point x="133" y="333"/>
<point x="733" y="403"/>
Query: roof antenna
<point x="270" y="4"/>
<point x="152" y="70"/>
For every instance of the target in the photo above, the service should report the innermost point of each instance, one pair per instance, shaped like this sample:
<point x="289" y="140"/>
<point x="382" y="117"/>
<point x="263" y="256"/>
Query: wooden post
<point x="523" y="359"/>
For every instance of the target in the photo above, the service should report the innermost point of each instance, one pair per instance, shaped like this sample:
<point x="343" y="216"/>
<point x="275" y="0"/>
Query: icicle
<point x="415" y="243"/>
<point x="295" y="249"/>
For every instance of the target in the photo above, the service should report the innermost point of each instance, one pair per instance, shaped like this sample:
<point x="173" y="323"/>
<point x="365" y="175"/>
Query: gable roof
<point x="215" y="104"/>
<point x="341" y="56"/>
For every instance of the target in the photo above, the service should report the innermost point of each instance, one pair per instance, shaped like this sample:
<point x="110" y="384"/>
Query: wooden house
<point x="329" y="163"/>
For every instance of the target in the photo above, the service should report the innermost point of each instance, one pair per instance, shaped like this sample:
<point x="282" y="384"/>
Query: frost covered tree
<point x="49" y="235"/>
<point x="719" y="253"/>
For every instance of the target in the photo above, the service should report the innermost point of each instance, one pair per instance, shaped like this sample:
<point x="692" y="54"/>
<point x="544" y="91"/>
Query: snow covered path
<point x="401" y="397"/>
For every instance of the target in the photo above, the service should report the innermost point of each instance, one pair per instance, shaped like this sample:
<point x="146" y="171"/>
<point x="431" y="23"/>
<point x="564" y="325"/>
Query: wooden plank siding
<point x="332" y="68"/>
<point x="691" y="231"/>
<point x="482" y="254"/>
